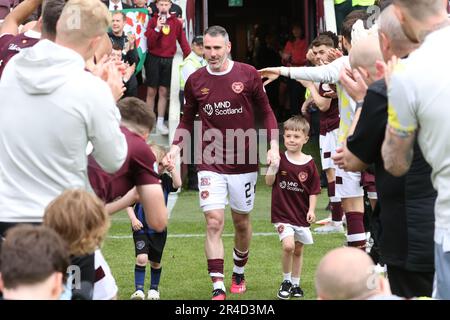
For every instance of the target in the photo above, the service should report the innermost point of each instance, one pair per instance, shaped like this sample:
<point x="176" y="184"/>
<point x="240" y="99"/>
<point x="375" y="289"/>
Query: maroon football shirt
<point x="293" y="185"/>
<point x="329" y="120"/>
<point x="137" y="170"/>
<point x="226" y="102"/>
<point x="11" y="45"/>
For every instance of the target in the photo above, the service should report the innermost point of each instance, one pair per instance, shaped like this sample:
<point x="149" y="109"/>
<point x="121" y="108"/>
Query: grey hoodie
<point x="50" y="108"/>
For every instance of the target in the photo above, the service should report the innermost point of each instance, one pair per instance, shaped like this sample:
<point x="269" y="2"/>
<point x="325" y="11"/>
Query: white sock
<point x="295" y="281"/>
<point x="219" y="285"/>
<point x="160" y="121"/>
<point x="239" y="270"/>
<point x="287" y="276"/>
<point x="336" y="223"/>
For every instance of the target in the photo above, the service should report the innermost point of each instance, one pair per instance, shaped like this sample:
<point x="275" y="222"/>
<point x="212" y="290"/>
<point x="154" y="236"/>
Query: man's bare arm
<point x="397" y="151"/>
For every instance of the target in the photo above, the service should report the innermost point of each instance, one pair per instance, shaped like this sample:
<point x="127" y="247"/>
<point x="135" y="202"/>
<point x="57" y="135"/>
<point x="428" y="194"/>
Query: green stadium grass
<point x="185" y="276"/>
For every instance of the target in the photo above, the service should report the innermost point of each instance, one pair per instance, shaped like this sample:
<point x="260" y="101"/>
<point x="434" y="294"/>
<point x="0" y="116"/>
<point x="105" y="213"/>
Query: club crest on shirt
<point x="302" y="176"/>
<point x="237" y="87"/>
<point x="204" y="194"/>
<point x="280" y="229"/>
<point x="208" y="109"/>
<point x="205" y="181"/>
<point x="166" y="29"/>
<point x="140" y="245"/>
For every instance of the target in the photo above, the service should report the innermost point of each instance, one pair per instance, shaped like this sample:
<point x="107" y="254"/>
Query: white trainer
<point x="162" y="129"/>
<point x="153" y="294"/>
<point x="138" y="295"/>
<point x="324" y="221"/>
<point x="333" y="227"/>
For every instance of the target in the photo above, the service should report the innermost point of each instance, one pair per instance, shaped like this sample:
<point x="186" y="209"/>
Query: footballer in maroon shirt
<point x="226" y="95"/>
<point x="138" y="169"/>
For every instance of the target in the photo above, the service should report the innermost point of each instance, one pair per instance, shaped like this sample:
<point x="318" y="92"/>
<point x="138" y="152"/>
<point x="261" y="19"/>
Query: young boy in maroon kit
<point x="296" y="184"/>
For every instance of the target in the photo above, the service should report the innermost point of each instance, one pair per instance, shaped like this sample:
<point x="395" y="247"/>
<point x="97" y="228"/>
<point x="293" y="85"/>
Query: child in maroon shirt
<point x="295" y="185"/>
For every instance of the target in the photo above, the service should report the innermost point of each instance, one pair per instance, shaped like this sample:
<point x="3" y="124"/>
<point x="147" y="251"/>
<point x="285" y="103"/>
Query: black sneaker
<point x="218" y="294"/>
<point x="285" y="290"/>
<point x="296" y="292"/>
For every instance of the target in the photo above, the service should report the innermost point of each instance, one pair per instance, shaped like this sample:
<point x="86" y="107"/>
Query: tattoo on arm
<point x="397" y="151"/>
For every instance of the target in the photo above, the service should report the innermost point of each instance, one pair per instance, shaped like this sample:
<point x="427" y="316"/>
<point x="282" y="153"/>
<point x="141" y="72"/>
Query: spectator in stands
<point x="33" y="264"/>
<point x="129" y="78"/>
<point x="163" y="31"/>
<point x="114" y="5"/>
<point x="174" y="9"/>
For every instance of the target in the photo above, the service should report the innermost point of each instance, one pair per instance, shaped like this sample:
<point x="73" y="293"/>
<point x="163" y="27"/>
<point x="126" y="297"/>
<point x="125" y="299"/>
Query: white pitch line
<point x="259" y="234"/>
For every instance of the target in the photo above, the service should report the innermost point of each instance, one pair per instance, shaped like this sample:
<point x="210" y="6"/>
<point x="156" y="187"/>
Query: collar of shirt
<point x="115" y="6"/>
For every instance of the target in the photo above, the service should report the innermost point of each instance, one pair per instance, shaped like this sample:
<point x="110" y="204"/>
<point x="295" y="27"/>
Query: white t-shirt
<point x="419" y="99"/>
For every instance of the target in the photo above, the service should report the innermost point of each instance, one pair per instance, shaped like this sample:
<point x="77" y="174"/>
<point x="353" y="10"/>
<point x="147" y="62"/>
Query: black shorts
<point x="158" y="71"/>
<point x="150" y="244"/>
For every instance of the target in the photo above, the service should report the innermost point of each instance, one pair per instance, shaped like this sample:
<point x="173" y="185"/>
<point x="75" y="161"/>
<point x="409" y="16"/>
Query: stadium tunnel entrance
<point x="250" y="21"/>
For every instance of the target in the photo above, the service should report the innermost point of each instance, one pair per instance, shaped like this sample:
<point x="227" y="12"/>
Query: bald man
<point x="349" y="274"/>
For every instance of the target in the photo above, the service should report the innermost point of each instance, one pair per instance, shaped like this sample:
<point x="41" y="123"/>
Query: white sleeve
<point x="401" y="103"/>
<point x="327" y="74"/>
<point x="103" y="126"/>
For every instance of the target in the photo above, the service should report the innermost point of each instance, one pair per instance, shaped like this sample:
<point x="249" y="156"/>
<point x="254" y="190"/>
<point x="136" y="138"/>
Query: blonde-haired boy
<point x="295" y="185"/>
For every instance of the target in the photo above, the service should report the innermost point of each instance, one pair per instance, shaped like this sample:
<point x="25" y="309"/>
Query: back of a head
<point x="83" y="20"/>
<point x="328" y="39"/>
<point x="390" y="26"/>
<point x="421" y="10"/>
<point x="365" y="53"/>
<point x="30" y="255"/>
<point x="80" y="218"/>
<point x="136" y="115"/>
<point x="51" y="11"/>
<point x="344" y="274"/>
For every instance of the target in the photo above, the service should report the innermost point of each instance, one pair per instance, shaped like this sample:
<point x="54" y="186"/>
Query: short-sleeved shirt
<point x="11" y="45"/>
<point x="419" y="95"/>
<point x="137" y="170"/>
<point x="293" y="185"/>
<point x="227" y="103"/>
<point x="407" y="202"/>
<point x="329" y="120"/>
<point x="174" y="10"/>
